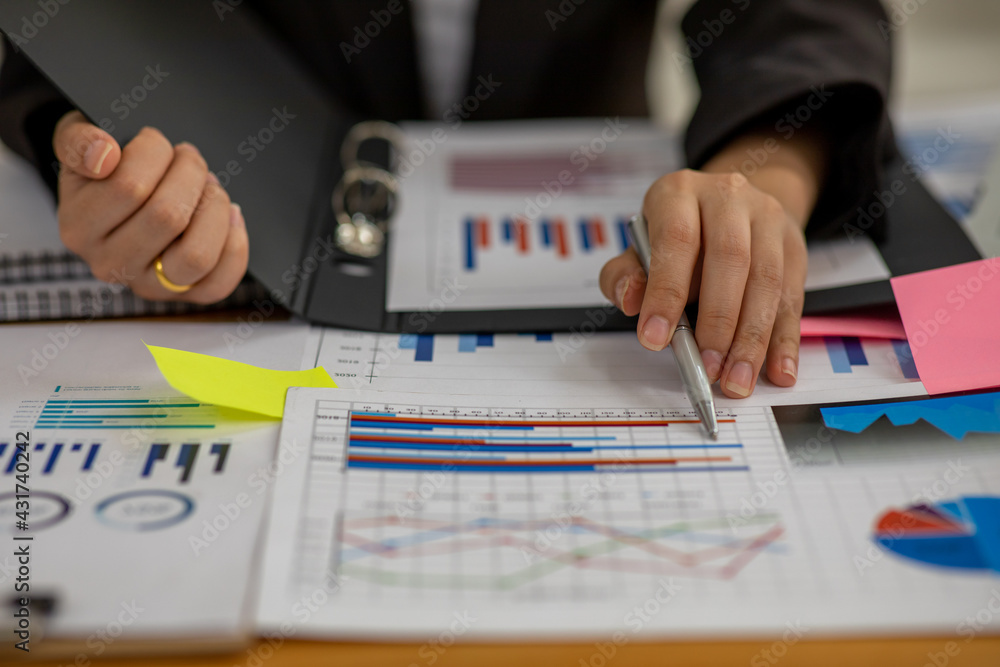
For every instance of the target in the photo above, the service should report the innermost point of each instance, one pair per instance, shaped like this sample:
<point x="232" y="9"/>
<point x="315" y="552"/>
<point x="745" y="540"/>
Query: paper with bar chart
<point x="556" y="516"/>
<point x="136" y="491"/>
<point x="525" y="214"/>
<point x="585" y="363"/>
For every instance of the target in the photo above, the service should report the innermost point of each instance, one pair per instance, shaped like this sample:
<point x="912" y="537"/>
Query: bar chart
<point x="517" y="237"/>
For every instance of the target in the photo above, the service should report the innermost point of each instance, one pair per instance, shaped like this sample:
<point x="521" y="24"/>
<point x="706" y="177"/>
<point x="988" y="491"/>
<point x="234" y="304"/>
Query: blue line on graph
<point x="508" y="230"/>
<point x="546" y="234"/>
<point x="97" y="400"/>
<point x="585" y="234"/>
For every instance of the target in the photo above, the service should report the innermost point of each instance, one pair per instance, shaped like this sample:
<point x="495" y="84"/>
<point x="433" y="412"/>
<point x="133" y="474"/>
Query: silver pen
<point x="693" y="375"/>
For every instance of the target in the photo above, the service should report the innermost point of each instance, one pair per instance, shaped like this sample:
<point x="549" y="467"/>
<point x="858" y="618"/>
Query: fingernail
<point x="621" y="289"/>
<point x="212" y="178"/>
<point x="713" y="363"/>
<point x="740" y="378"/>
<point x="656" y="333"/>
<point x="95" y="156"/>
<point x="236" y="215"/>
<point x="788" y="367"/>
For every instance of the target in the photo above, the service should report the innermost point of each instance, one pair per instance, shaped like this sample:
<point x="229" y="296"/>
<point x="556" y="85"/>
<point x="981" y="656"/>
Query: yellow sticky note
<point x="231" y="383"/>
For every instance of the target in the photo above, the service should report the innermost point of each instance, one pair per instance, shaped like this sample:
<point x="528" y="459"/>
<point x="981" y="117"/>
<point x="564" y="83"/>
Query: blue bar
<point x="543" y="338"/>
<point x="425" y="348"/>
<point x="410" y="427"/>
<point x="490" y="469"/>
<point x="585" y="235"/>
<point x="79" y="401"/>
<point x="186" y="460"/>
<point x="855" y="353"/>
<point x="484" y="340"/>
<point x="43" y="422"/>
<point x="435" y="458"/>
<point x="528" y="438"/>
<point x="905" y="357"/>
<point x="623" y="238"/>
<point x="91" y="455"/>
<point x="508" y="230"/>
<point x="543" y="449"/>
<point x="546" y="234"/>
<point x="58" y="387"/>
<point x="50" y="411"/>
<point x="467" y="342"/>
<point x="62" y="425"/>
<point x="428" y="427"/>
<point x="470" y="245"/>
<point x="157" y="452"/>
<point x="407" y="341"/>
<point x="53" y="457"/>
<point x="128" y="415"/>
<point x="838" y="354"/>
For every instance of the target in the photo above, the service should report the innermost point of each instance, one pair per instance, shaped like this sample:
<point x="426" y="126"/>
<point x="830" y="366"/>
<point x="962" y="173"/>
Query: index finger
<point x="675" y="240"/>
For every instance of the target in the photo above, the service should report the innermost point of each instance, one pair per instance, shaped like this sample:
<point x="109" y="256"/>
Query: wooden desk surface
<point x="980" y="652"/>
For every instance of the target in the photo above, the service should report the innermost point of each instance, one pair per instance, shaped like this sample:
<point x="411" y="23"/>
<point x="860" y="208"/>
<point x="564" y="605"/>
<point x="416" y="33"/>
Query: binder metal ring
<point x="361" y="229"/>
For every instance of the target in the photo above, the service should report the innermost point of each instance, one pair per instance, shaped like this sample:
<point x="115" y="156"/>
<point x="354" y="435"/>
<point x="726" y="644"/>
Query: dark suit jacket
<point x="780" y="64"/>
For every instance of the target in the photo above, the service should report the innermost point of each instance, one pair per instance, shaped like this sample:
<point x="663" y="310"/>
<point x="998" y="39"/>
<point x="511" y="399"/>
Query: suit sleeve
<point x="30" y="107"/>
<point x="788" y="64"/>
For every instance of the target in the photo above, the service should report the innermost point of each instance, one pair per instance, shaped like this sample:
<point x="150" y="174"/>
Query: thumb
<point x="84" y="148"/>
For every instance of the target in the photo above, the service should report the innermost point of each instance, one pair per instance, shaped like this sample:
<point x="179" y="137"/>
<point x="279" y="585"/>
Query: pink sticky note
<point x="860" y="326"/>
<point x="952" y="321"/>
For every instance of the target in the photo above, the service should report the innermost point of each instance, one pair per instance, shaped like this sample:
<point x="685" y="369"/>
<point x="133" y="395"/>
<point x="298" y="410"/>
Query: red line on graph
<point x="562" y="247"/>
<point x="445" y="423"/>
<point x="740" y="550"/>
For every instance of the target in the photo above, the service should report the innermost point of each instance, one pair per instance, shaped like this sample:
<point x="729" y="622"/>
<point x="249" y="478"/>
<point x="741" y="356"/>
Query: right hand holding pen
<point x="122" y="209"/>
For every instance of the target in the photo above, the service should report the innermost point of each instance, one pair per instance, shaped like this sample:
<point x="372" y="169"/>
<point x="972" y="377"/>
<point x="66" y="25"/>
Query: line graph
<point x="703" y="548"/>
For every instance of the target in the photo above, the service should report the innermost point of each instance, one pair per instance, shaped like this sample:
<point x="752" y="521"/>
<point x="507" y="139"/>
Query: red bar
<point x="562" y="248"/>
<point x="484" y="233"/>
<point x="521" y="233"/>
<point x="597" y="232"/>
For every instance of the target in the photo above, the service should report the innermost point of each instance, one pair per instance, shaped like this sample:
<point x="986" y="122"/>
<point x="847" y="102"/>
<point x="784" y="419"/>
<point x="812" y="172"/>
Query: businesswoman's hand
<point x="735" y="243"/>
<point x="122" y="209"/>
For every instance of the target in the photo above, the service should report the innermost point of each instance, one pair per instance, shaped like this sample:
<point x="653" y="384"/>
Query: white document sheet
<point x="450" y="517"/>
<point x="525" y="214"/>
<point x="145" y="506"/>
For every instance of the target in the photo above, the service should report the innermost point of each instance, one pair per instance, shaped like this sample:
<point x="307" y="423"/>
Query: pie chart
<point x="963" y="533"/>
